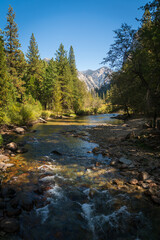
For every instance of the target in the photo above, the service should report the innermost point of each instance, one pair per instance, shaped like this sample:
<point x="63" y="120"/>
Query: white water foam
<point x="112" y="219"/>
<point x="56" y="192"/>
<point x="43" y="212"/>
<point x="87" y="214"/>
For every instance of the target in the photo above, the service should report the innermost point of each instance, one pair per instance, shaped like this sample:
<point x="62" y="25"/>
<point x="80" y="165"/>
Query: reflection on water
<point x="78" y="203"/>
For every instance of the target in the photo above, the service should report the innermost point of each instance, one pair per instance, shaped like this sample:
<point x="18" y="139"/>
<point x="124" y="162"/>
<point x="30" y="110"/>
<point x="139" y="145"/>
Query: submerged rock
<point x="4" y="158"/>
<point x="133" y="181"/>
<point x="22" y="150"/>
<point x="56" y="152"/>
<point x="12" y="146"/>
<point x="10" y="225"/>
<point x="144" y="176"/>
<point x="42" y="120"/>
<point x="125" y="161"/>
<point x="19" y="130"/>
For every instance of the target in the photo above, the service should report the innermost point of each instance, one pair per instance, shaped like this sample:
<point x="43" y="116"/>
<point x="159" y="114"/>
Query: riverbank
<point x="134" y="152"/>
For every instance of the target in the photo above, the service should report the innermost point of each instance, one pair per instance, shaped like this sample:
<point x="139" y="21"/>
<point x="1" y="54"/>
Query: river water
<point x="76" y="204"/>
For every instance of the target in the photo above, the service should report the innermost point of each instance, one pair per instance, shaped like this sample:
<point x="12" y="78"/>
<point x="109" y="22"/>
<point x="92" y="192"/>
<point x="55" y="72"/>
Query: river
<point x="75" y="203"/>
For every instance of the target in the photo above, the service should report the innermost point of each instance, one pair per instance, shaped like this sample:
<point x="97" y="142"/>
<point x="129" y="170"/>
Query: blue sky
<point x="87" y="25"/>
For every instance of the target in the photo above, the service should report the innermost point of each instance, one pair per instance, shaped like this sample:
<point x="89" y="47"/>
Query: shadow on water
<point x="71" y="190"/>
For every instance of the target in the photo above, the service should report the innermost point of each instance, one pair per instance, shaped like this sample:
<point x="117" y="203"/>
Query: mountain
<point x="46" y="59"/>
<point x="95" y="79"/>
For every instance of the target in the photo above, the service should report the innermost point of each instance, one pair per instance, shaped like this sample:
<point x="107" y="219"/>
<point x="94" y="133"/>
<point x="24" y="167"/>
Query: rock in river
<point x="19" y="130"/>
<point x="9" y="225"/>
<point x="125" y="161"/>
<point x="12" y="146"/>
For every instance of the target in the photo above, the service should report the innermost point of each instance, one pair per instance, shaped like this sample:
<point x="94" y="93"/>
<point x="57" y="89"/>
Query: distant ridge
<point x="46" y="59"/>
<point x="95" y="78"/>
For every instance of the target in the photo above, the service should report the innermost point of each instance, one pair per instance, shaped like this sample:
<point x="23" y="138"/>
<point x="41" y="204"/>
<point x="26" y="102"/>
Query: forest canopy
<point x="135" y="58"/>
<point x="29" y="84"/>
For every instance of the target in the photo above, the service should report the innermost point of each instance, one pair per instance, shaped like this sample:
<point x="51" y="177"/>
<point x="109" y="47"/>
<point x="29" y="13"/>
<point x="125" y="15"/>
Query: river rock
<point x="125" y="161"/>
<point x="133" y="181"/>
<point x="144" y="185"/>
<point x="155" y="199"/>
<point x="113" y="163"/>
<point x="8" y="165"/>
<point x="95" y="150"/>
<point x="4" y="158"/>
<point x="56" y="152"/>
<point x="143" y="176"/>
<point x="19" y="130"/>
<point x="22" y="150"/>
<point x="42" y="120"/>
<point x="8" y="192"/>
<point x="10" y="225"/>
<point x="11" y="212"/>
<point x="2" y="166"/>
<point x="2" y="204"/>
<point x="26" y="201"/>
<point x="12" y="146"/>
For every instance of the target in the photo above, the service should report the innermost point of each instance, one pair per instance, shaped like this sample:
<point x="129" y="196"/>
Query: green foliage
<point x="19" y="114"/>
<point x="135" y="86"/>
<point x="26" y="86"/>
<point x="1" y="140"/>
<point x="15" y="58"/>
<point x="30" y="112"/>
<point x="46" y="114"/>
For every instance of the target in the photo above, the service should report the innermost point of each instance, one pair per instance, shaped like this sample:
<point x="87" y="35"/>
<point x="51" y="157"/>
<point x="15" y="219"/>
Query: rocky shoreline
<point x="134" y="151"/>
<point x="16" y="195"/>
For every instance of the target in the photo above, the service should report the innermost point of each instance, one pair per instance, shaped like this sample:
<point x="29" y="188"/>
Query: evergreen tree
<point x="15" y="58"/>
<point x="35" y="69"/>
<point x="72" y="62"/>
<point x="64" y="77"/>
<point x="49" y="82"/>
<point x="4" y="85"/>
<point x="78" y="90"/>
<point x="57" y="93"/>
<point x="33" y="56"/>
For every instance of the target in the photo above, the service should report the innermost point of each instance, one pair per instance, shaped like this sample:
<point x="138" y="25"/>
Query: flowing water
<point x="76" y="205"/>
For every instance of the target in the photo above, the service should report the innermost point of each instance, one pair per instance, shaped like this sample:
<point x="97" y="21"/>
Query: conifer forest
<point x="80" y="150"/>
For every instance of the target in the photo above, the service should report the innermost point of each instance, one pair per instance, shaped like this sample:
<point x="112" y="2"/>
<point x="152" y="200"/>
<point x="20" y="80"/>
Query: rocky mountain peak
<point x="95" y="79"/>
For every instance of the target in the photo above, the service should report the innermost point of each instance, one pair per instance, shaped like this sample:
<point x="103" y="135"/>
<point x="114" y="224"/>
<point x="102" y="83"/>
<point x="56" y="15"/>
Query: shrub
<point x="30" y="112"/>
<point x="46" y="114"/>
<point x="20" y="113"/>
<point x="1" y="140"/>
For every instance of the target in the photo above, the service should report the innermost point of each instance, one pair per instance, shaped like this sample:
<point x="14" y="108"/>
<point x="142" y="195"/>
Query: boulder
<point x="9" y="225"/>
<point x="95" y="150"/>
<point x="3" y="158"/>
<point x="19" y="130"/>
<point x="26" y="201"/>
<point x="113" y="163"/>
<point x="11" y="212"/>
<point x="41" y="120"/>
<point x="56" y="152"/>
<point x="143" y="176"/>
<point x="125" y="161"/>
<point x="133" y="181"/>
<point x="12" y="146"/>
<point x="155" y="199"/>
<point x="22" y="150"/>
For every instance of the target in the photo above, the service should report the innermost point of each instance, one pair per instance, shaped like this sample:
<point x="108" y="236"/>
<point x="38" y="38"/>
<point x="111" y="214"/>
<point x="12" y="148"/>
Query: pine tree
<point x="34" y="78"/>
<point x="64" y="77"/>
<point x="4" y="86"/>
<point x="57" y="93"/>
<point x="78" y="91"/>
<point x="33" y="52"/>
<point x="72" y="61"/>
<point x="49" y="84"/>
<point x="15" y="58"/>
